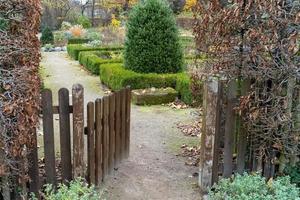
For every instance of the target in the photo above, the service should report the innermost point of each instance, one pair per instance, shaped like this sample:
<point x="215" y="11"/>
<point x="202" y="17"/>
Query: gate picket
<point x="127" y="131"/>
<point x="65" y="134"/>
<point x="123" y="123"/>
<point x="118" y="129"/>
<point x="105" y="138"/>
<point x="98" y="141"/>
<point x="112" y="136"/>
<point x="48" y="137"/>
<point x="78" y="131"/>
<point x="91" y="142"/>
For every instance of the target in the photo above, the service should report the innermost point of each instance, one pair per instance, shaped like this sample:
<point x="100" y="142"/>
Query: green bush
<point x="152" y="41"/>
<point x="78" y="41"/>
<point x="294" y="173"/>
<point x="93" y="34"/>
<point x="47" y="36"/>
<point x="65" y="26"/>
<point x="183" y="86"/>
<point x="75" y="49"/>
<point x="77" y="190"/>
<point x="254" y="187"/>
<point x="91" y="60"/>
<point x="115" y="76"/>
<point x="84" y="21"/>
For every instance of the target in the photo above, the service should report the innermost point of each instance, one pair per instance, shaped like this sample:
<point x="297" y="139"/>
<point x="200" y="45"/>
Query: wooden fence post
<point x="98" y="141"/>
<point x="112" y="133"/>
<point x="65" y="134"/>
<point x="48" y="137"/>
<point x="123" y="123"/>
<point x="105" y="134"/>
<point x="230" y="128"/>
<point x="91" y="142"/>
<point x="211" y="129"/>
<point x="78" y="130"/>
<point x="242" y="134"/>
<point x="128" y="113"/>
<point x="118" y="149"/>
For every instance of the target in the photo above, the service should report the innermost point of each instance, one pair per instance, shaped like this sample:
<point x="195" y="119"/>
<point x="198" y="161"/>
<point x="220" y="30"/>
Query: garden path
<point x="154" y="170"/>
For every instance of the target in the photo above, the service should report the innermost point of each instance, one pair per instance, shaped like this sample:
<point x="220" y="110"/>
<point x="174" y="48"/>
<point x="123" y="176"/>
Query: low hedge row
<point x="75" y="49"/>
<point x="183" y="86"/>
<point x="116" y="77"/>
<point x="77" y="41"/>
<point x="92" y="62"/>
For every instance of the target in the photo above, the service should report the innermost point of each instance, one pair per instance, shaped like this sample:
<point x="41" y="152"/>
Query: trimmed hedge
<point x="115" y="76"/>
<point x="92" y="62"/>
<point x="75" y="49"/>
<point x="183" y="86"/>
<point x="78" y="40"/>
<point x="152" y="39"/>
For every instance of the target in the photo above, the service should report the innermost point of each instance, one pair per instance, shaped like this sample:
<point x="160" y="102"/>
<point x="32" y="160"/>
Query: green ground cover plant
<point x="75" y="190"/>
<point x="254" y="187"/>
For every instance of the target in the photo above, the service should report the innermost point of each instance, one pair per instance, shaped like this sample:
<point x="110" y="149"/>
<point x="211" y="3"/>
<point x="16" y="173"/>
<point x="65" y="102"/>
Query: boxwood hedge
<point x="115" y="76"/>
<point x="92" y="62"/>
<point x="78" y="40"/>
<point x="183" y="86"/>
<point x="75" y="49"/>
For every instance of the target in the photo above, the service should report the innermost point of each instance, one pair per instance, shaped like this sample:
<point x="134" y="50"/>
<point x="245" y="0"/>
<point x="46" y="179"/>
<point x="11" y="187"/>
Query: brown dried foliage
<point x="256" y="40"/>
<point x="19" y="79"/>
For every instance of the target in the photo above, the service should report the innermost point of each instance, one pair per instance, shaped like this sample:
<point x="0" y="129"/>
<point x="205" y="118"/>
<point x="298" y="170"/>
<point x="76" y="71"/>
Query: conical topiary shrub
<point x="47" y="36"/>
<point x="152" y="41"/>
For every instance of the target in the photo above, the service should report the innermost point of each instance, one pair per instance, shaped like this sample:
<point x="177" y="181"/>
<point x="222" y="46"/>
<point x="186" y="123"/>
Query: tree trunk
<point x="93" y="13"/>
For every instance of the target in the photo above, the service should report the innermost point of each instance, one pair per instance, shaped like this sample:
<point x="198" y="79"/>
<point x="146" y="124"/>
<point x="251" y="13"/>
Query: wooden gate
<point x="107" y="134"/>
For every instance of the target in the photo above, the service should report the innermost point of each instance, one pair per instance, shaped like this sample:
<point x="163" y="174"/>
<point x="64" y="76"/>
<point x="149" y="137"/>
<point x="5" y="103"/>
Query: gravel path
<point x="154" y="170"/>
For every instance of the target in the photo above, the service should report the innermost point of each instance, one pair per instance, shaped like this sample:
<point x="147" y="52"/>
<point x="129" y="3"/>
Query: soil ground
<point x="154" y="171"/>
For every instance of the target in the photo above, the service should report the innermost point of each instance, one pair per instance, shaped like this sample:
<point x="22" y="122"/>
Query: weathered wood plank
<point x="78" y="130"/>
<point x="128" y="113"/>
<point x="65" y="134"/>
<point x="217" y="137"/>
<point x="98" y="140"/>
<point x="118" y="128"/>
<point x="242" y="136"/>
<point x="210" y="116"/>
<point x="112" y="133"/>
<point x="91" y="142"/>
<point x="230" y="128"/>
<point x="123" y="123"/>
<point x="48" y="137"/>
<point x="105" y="138"/>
